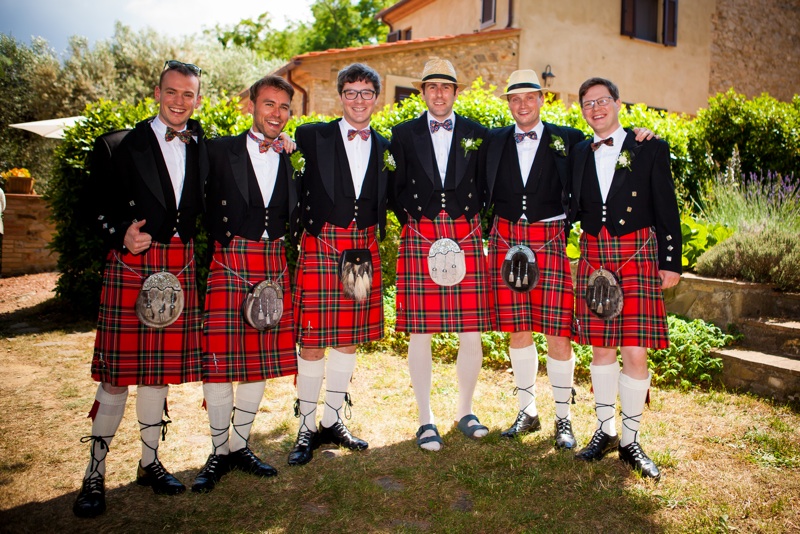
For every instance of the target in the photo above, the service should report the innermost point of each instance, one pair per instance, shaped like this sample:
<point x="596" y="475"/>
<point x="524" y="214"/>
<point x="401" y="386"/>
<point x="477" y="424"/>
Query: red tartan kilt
<point x="126" y="352"/>
<point x="234" y="350"/>
<point x="325" y="317"/>
<point x="643" y="321"/>
<point x="423" y="306"/>
<point x="547" y="308"/>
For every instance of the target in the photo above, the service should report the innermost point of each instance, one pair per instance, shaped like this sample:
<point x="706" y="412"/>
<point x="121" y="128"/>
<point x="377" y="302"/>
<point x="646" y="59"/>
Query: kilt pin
<point x="547" y="308"/>
<point x="127" y="352"/>
<point x="325" y="317"/>
<point x="234" y="351"/>
<point x="426" y="307"/>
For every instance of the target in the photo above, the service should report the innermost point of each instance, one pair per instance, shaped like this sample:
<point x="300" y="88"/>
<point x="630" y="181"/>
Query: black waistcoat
<point x="592" y="210"/>
<point x="444" y="196"/>
<point x="347" y="207"/>
<point x="272" y="218"/>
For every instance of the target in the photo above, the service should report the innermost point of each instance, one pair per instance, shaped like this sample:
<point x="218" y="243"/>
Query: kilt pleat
<point x="324" y="316"/>
<point x="232" y="349"/>
<point x="643" y="321"/>
<point x="423" y="306"/>
<point x="548" y="307"/>
<point x="127" y="352"/>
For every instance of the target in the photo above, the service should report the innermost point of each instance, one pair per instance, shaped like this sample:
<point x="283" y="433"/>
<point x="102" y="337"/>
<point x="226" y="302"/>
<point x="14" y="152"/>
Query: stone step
<point x="774" y="336"/>
<point x="766" y="375"/>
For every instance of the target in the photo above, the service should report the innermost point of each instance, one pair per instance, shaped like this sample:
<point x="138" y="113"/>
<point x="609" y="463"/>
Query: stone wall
<point x="755" y="47"/>
<point x="28" y="230"/>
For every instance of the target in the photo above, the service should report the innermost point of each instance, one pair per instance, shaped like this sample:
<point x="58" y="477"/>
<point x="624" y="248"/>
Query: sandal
<point x="436" y="438"/>
<point x="464" y="426"/>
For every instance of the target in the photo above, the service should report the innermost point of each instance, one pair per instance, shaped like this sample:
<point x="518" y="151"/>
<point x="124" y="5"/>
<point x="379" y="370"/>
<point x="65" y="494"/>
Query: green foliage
<point x="479" y="104"/>
<point x="699" y="237"/>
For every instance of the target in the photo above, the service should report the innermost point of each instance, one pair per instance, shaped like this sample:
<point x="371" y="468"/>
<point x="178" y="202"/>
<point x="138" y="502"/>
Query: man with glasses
<point x="148" y="331"/>
<point x="623" y="195"/>
<point x="342" y="191"/>
<point x="249" y="324"/>
<point x="442" y="284"/>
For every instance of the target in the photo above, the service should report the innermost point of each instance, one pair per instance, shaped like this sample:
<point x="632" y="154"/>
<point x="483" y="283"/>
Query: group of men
<point x="439" y="174"/>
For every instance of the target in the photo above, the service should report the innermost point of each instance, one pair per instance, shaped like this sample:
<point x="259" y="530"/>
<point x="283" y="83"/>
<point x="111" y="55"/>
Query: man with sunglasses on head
<point x="342" y="192"/>
<point x="149" y="325"/>
<point x="623" y="194"/>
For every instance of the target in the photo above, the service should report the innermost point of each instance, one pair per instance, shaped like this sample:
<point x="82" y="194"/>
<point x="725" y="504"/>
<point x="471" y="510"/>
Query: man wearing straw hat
<point x="441" y="272"/>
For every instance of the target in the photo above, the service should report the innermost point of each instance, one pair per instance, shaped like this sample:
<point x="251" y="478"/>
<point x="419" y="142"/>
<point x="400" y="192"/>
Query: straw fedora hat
<point x="523" y="81"/>
<point x="437" y="70"/>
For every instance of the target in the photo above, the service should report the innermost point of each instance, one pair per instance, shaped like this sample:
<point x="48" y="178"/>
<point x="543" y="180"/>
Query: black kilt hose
<point x="234" y="350"/>
<point x="325" y="316"/>
<point x="127" y="352"/>
<point x="548" y="307"/>
<point x="423" y="306"/>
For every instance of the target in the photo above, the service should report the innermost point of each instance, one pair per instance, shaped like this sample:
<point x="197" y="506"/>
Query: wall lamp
<point x="546" y="75"/>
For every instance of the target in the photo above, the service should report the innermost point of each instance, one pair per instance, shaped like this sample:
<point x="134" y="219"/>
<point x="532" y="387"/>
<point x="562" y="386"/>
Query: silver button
<point x="224" y="219"/>
<point x="224" y="202"/>
<point x="630" y="209"/>
<point x="416" y="195"/>
<point x="633" y="193"/>
<point x="622" y="221"/>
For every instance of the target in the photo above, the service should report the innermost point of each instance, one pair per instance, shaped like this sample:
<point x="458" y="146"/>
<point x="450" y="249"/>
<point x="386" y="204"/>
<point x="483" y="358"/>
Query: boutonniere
<point x="389" y="164"/>
<point x="624" y="160"/>
<point x="558" y="145"/>
<point x="298" y="163"/>
<point x="469" y="144"/>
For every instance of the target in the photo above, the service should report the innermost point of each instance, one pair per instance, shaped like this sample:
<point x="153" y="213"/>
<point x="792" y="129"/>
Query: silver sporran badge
<point x="355" y="273"/>
<point x="447" y="265"/>
<point x="604" y="294"/>
<point x="160" y="301"/>
<point x="519" y="271"/>
<point x="263" y="306"/>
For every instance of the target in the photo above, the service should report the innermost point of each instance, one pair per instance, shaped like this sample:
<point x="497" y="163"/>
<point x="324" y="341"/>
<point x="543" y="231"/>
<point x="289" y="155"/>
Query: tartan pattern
<point x="547" y="308"/>
<point x="424" y="307"/>
<point x="643" y="321"/>
<point x="126" y="352"/>
<point x="325" y="317"/>
<point x="232" y="349"/>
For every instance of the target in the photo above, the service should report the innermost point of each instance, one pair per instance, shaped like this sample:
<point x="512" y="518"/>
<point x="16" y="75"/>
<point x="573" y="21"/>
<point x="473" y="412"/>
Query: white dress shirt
<point x="442" y="140"/>
<point x="174" y="153"/>
<point x="358" y="151"/>
<point x="265" y="165"/>
<point x="605" y="160"/>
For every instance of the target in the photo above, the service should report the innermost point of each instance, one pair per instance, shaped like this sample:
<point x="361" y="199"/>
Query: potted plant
<point x="18" y="181"/>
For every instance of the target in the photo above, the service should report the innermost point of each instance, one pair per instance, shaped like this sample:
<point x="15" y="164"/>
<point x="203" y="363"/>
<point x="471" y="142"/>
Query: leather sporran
<point x="355" y="273"/>
<point x="519" y="271"/>
<point x="263" y="306"/>
<point x="447" y="265"/>
<point x="604" y="294"/>
<point x="160" y="301"/>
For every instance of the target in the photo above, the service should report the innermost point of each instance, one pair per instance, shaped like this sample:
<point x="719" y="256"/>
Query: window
<point x="399" y="35"/>
<point x="641" y="19"/>
<point x="401" y="93"/>
<point x="488" y="11"/>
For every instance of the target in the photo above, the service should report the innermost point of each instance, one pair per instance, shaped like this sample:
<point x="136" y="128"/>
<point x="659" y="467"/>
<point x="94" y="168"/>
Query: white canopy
<point x="52" y="128"/>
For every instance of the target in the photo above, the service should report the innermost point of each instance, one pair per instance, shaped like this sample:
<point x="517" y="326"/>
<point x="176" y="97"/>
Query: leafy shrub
<point x="698" y="237"/>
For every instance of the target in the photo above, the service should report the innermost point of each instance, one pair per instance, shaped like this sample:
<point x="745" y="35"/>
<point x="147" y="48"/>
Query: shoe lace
<point x="304" y="438"/>
<point x="563" y="426"/>
<point x="212" y="463"/>
<point x="596" y="439"/>
<point x="299" y="414"/>
<point x="347" y="404"/>
<point x="632" y="418"/>
<point x="157" y="470"/>
<point x="247" y="423"/>
<point x="636" y="451"/>
<point x="94" y="484"/>
<point x="530" y="390"/>
<point x="97" y="442"/>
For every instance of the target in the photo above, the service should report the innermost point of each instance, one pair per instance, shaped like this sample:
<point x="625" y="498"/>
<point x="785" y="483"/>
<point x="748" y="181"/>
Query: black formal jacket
<point x="641" y="197"/>
<point x="235" y="206"/>
<point x="416" y="186"/>
<point x="139" y="188"/>
<point x="325" y="188"/>
<point x="545" y="194"/>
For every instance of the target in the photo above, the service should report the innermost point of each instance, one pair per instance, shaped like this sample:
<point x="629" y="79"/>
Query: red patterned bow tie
<point x="447" y="125"/>
<point x="607" y="141"/>
<point x="264" y="145"/>
<point x="363" y="134"/>
<point x="185" y="135"/>
<point x="519" y="137"/>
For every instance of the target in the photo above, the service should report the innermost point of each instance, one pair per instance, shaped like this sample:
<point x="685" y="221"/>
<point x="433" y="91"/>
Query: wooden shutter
<point x="670" y="29"/>
<point x="628" y="18"/>
<point x="394" y="36"/>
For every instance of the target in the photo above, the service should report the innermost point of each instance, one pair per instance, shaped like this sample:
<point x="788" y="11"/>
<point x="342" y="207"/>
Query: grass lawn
<point x="729" y="462"/>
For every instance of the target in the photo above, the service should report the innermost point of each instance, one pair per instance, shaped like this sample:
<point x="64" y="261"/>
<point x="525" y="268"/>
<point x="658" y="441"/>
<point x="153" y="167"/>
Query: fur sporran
<point x="263" y="306"/>
<point x="447" y="264"/>
<point x="355" y="273"/>
<point x="160" y="301"/>
<point x="519" y="271"/>
<point x="604" y="295"/>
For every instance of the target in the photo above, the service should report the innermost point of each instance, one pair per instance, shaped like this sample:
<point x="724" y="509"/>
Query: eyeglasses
<point x="174" y="64"/>
<point x="602" y="102"/>
<point x="352" y="94"/>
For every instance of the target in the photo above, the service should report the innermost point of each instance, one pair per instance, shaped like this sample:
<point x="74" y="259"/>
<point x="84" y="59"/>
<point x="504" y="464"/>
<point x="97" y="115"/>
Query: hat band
<point x="524" y="85"/>
<point x="442" y="76"/>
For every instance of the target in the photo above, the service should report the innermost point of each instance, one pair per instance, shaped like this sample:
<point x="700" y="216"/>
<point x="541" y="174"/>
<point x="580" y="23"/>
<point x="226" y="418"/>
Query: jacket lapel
<point x="239" y="160"/>
<point x="494" y="153"/>
<point x="326" y="148"/>
<point x="462" y="131"/>
<point x="144" y="158"/>
<point x="424" y="145"/>
<point x="621" y="174"/>
<point x="560" y="160"/>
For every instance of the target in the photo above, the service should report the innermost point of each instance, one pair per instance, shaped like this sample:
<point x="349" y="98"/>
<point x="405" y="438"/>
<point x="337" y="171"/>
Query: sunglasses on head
<point x="174" y="64"/>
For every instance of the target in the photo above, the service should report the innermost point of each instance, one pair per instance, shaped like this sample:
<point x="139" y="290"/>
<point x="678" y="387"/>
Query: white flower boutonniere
<point x="469" y="144"/>
<point x="558" y="145"/>
<point x="389" y="164"/>
<point x="298" y="163"/>
<point x="624" y="160"/>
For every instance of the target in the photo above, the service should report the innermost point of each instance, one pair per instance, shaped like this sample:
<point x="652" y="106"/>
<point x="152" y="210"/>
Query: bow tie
<point x="447" y="125"/>
<point x="264" y="145"/>
<point x="363" y="134"/>
<point x="607" y="141"/>
<point x="185" y="135"/>
<point x="520" y="137"/>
